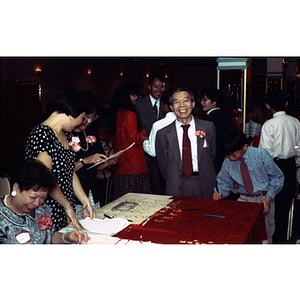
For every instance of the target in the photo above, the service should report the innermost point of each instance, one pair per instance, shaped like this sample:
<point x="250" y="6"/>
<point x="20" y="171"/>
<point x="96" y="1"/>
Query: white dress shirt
<point x="280" y="135"/>
<point x="153" y="101"/>
<point x="149" y="145"/>
<point x="193" y="139"/>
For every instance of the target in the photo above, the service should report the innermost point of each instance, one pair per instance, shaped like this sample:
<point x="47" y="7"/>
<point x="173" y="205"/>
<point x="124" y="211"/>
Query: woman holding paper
<point x="130" y="173"/>
<point x="89" y="151"/>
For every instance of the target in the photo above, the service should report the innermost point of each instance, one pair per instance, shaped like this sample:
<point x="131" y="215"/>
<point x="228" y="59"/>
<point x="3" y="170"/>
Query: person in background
<point x="280" y="136"/>
<point x="191" y="175"/>
<point x="49" y="143"/>
<point x="130" y="173"/>
<point x="212" y="106"/>
<point x="266" y="179"/>
<point x="149" y="110"/>
<point x="89" y="151"/>
<point x="24" y="217"/>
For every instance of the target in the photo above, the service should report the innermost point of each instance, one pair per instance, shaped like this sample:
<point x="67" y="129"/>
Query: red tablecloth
<point x="238" y="223"/>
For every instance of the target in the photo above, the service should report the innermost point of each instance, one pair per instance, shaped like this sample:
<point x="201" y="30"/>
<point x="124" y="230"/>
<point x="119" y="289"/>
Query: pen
<point x="216" y="216"/>
<point x="107" y="216"/>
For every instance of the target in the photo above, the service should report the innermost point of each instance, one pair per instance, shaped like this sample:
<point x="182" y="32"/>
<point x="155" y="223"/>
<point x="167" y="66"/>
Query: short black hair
<point x="234" y="140"/>
<point x="69" y="101"/>
<point x="177" y="90"/>
<point x="214" y="95"/>
<point x="158" y="76"/>
<point x="33" y="174"/>
<point x="276" y="99"/>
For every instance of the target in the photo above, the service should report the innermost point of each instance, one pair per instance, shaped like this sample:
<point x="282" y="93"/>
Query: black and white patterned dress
<point x="43" y="139"/>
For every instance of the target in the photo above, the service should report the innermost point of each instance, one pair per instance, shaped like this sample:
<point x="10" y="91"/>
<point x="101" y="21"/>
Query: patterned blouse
<point x="42" y="138"/>
<point x="24" y="229"/>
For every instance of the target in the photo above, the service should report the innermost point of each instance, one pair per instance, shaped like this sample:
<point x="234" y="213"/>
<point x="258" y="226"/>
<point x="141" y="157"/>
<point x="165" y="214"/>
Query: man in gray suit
<point x="149" y="110"/>
<point x="169" y="143"/>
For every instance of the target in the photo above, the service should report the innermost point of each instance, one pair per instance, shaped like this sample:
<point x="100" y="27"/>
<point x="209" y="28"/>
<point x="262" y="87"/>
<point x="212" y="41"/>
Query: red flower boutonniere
<point x="44" y="222"/>
<point x="90" y="139"/>
<point x="75" y="146"/>
<point x="200" y="133"/>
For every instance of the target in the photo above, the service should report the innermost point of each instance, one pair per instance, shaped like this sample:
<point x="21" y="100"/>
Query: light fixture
<point x="121" y="73"/>
<point x="89" y="73"/>
<point x="38" y="71"/>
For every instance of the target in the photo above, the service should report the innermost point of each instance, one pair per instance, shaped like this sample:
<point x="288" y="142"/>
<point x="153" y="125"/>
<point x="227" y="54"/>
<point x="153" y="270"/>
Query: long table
<point x="182" y="220"/>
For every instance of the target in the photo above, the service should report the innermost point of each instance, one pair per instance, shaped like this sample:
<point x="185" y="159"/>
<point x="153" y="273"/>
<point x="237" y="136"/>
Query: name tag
<point x="75" y="139"/>
<point x="23" y="237"/>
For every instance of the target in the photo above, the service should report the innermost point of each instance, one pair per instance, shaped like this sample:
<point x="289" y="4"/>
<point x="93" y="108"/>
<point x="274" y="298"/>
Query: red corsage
<point x="75" y="146"/>
<point x="45" y="222"/>
<point x="90" y="139"/>
<point x="200" y="133"/>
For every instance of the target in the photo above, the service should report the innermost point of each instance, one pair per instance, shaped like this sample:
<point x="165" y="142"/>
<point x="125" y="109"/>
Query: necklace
<point x="10" y="207"/>
<point x="87" y="144"/>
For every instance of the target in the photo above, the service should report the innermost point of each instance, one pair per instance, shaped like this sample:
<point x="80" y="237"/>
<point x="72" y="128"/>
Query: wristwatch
<point x="81" y="160"/>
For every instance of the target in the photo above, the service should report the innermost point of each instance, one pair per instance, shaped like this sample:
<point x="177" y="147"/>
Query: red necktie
<point x="155" y="110"/>
<point x="246" y="177"/>
<point x="187" y="165"/>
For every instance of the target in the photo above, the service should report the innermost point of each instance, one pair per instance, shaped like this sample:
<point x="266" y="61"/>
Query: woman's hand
<point x="71" y="216"/>
<point x="76" y="236"/>
<point x="88" y="211"/>
<point x="94" y="159"/>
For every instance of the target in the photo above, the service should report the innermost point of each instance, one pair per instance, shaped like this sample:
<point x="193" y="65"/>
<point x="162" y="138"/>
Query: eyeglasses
<point x="90" y="118"/>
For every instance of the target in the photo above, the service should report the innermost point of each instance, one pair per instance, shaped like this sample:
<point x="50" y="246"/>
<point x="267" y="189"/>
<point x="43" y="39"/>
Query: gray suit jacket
<point x="145" y="112"/>
<point x="169" y="159"/>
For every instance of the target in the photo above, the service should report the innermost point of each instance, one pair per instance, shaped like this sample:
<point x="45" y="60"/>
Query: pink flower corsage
<point x="91" y="139"/>
<point x="45" y="222"/>
<point x="200" y="133"/>
<point x="75" y="146"/>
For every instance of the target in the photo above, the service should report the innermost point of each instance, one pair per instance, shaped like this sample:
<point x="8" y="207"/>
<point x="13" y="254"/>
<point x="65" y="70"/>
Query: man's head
<point x="211" y="98"/>
<point x="235" y="143"/>
<point x="182" y="102"/>
<point x="156" y="86"/>
<point x="276" y="100"/>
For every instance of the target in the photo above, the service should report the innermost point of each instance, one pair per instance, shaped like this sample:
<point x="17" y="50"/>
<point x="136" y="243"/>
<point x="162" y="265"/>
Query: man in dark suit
<point x="149" y="110"/>
<point x="213" y="107"/>
<point x="200" y="182"/>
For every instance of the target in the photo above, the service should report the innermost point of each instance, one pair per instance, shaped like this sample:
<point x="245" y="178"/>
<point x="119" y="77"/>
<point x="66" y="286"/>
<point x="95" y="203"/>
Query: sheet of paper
<point x="147" y="205"/>
<point x="112" y="156"/>
<point x="106" y="226"/>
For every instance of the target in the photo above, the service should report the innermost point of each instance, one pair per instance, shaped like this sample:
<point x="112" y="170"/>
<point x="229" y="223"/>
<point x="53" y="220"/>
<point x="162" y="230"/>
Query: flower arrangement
<point x="44" y="222"/>
<point x="200" y="133"/>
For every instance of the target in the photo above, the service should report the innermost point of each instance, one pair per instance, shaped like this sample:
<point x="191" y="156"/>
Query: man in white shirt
<point x="149" y="143"/>
<point x="280" y="136"/>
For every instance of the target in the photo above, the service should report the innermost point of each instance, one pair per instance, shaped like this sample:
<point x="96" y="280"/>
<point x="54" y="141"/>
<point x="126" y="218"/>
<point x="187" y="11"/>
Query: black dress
<point x="43" y="139"/>
<point x="88" y="178"/>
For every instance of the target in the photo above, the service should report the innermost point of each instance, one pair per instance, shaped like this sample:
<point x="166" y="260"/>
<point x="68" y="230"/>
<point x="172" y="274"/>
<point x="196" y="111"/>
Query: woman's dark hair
<point x="70" y="102"/>
<point x="234" y="140"/>
<point x="33" y="174"/>
<point x="121" y="100"/>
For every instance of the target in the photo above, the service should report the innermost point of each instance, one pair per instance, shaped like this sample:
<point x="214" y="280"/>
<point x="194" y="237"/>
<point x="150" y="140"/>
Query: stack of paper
<point x="106" y="226"/>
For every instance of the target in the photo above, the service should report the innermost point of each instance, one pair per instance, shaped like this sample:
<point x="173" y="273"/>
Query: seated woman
<point x="24" y="217"/>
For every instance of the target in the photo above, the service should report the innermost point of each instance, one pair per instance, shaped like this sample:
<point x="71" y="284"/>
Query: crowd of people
<point x="183" y="144"/>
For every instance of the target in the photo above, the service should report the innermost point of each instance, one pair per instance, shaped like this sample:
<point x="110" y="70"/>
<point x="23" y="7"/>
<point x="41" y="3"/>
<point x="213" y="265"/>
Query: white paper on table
<point x="106" y="226"/>
<point x="112" y="156"/>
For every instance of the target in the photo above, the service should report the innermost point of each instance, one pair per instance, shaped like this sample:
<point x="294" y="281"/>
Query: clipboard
<point x="112" y="156"/>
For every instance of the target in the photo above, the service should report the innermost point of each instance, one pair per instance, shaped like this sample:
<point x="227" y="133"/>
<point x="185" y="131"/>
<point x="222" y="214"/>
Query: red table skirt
<point x="230" y="222"/>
